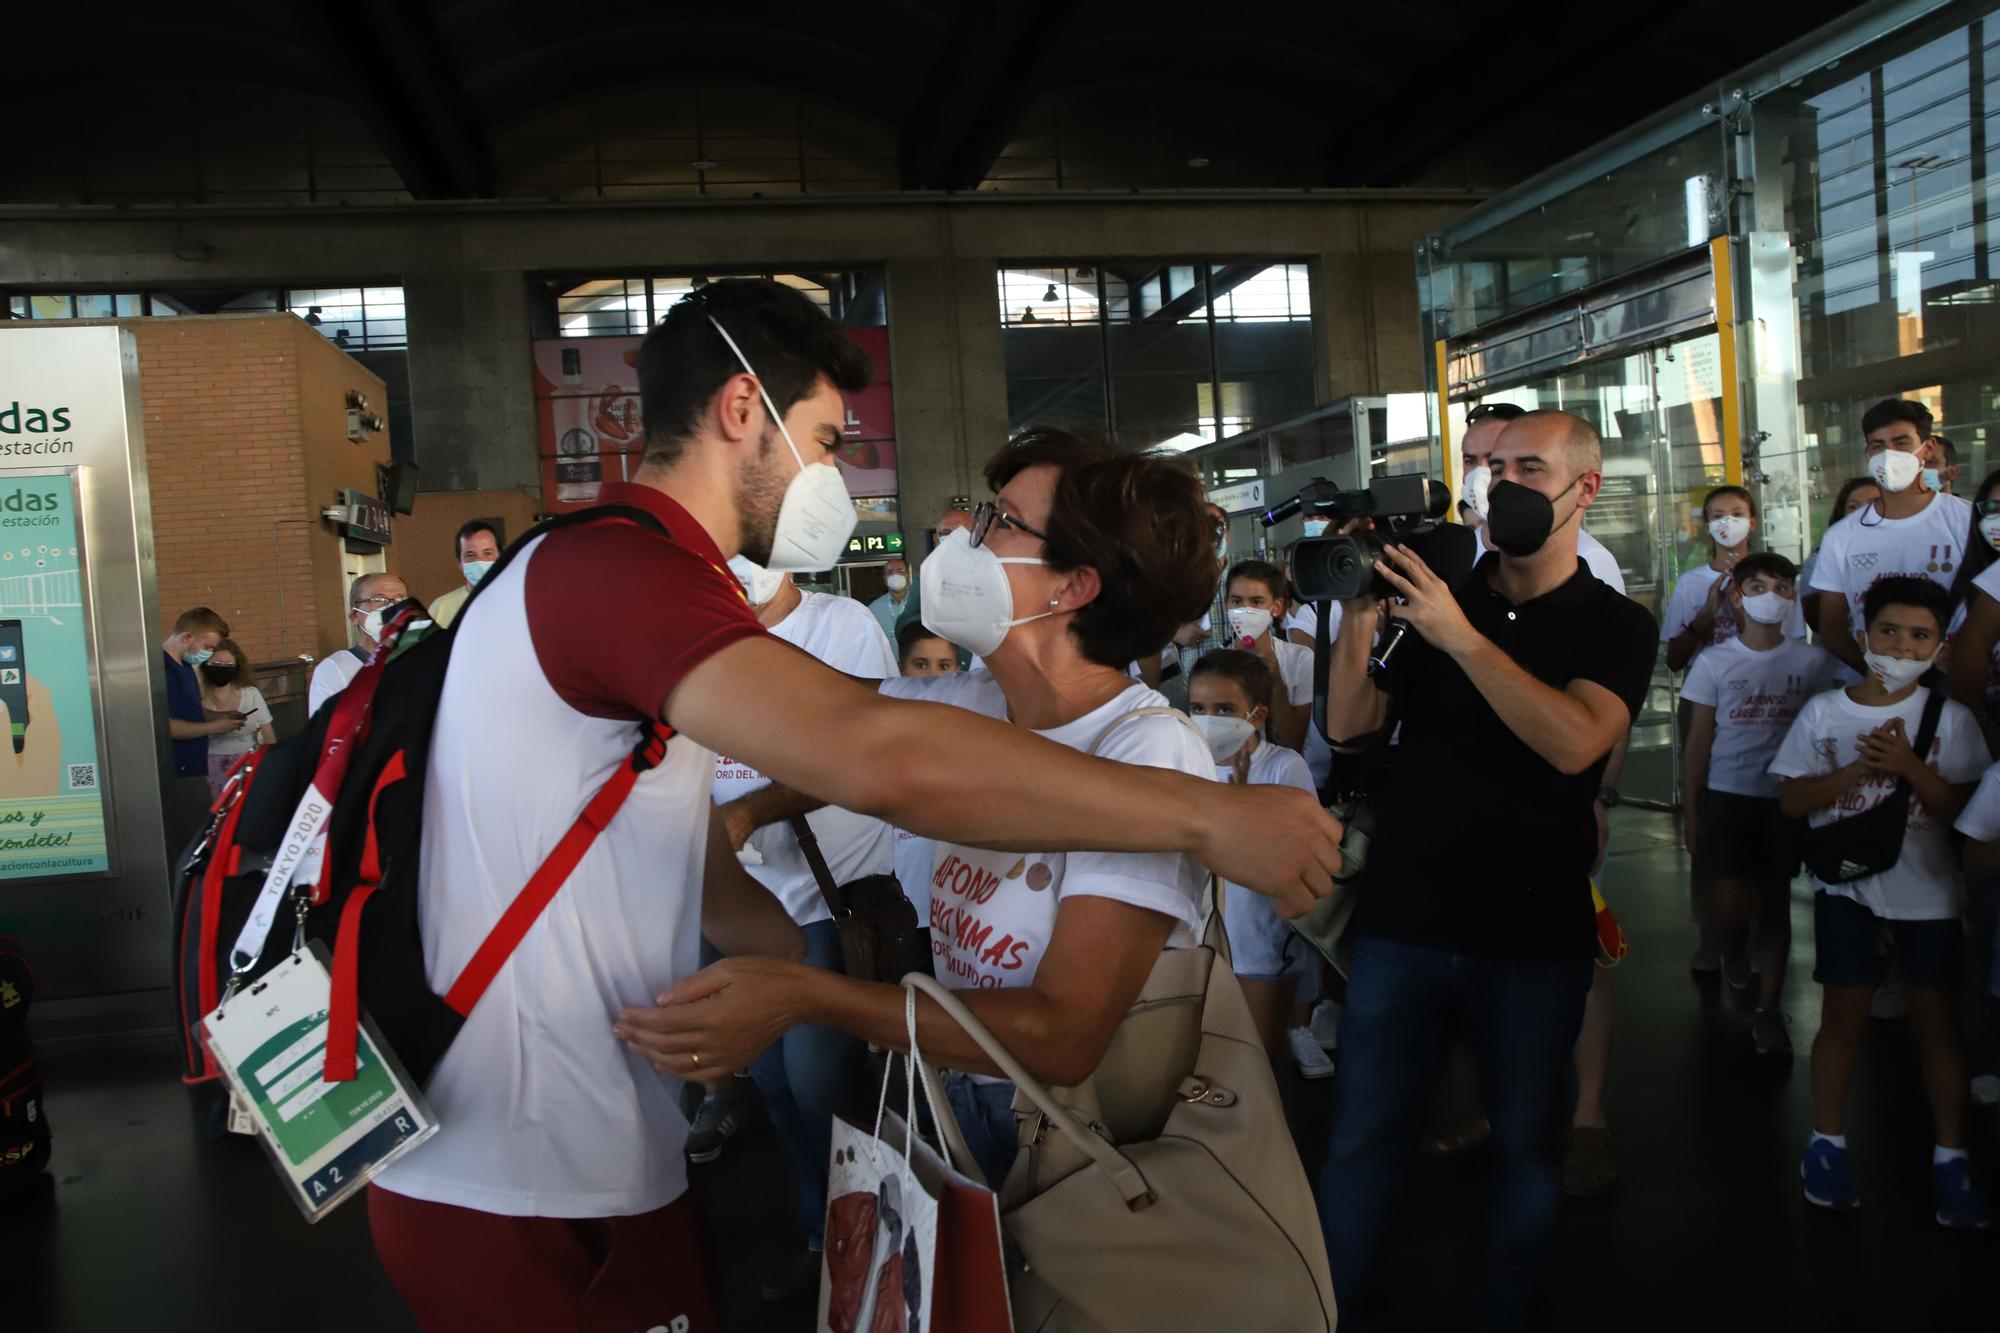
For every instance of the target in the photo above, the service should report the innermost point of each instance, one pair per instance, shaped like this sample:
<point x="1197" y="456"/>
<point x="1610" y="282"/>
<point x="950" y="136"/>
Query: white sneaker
<point x="1325" y="1026"/>
<point x="1311" y="1059"/>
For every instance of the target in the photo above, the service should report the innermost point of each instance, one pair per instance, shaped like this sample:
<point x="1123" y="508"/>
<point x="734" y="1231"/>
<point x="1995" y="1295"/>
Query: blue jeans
<point x="808" y="1076"/>
<point x="985" y="1115"/>
<point x="1405" y="1005"/>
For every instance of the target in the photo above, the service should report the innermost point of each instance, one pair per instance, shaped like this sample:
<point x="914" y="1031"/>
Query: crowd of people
<point x="999" y="734"/>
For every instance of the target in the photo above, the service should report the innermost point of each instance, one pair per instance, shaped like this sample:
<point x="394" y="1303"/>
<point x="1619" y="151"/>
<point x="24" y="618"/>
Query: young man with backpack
<point x="554" y="1195"/>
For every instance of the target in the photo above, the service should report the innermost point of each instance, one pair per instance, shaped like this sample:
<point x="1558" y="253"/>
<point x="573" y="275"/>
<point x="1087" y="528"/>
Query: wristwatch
<point x="1607" y="797"/>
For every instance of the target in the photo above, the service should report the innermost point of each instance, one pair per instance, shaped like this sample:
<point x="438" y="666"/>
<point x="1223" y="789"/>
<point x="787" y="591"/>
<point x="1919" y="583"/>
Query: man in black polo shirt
<point x="1511" y="693"/>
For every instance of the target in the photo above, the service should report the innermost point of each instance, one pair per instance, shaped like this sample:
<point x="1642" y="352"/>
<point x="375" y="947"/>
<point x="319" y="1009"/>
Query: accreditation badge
<point x="325" y="1139"/>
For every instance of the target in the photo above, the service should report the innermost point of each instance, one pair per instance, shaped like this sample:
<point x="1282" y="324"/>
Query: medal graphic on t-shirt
<point x="1039" y="876"/>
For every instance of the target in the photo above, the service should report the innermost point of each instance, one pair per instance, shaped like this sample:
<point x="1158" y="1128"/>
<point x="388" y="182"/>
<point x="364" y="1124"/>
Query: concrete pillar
<point x="951" y="382"/>
<point x="472" y="391"/>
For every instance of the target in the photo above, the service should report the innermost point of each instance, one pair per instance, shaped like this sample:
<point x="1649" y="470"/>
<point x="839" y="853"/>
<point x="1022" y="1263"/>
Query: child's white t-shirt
<point x="1756" y="696"/>
<point x="1865" y="546"/>
<point x="1980" y="820"/>
<point x="1923" y="884"/>
<point x="1258" y="936"/>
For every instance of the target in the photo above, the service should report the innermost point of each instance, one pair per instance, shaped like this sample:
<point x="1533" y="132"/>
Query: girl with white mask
<point x="1700" y="613"/>
<point x="1226" y="693"/>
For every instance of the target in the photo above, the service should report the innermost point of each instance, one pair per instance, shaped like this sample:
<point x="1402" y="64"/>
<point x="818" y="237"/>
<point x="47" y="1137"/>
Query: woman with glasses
<point x="1084" y="559"/>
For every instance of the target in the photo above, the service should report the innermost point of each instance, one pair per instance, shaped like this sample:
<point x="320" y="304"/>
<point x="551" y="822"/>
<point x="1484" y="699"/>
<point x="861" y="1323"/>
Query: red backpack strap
<point x="343" y="1013"/>
<point x="541" y="887"/>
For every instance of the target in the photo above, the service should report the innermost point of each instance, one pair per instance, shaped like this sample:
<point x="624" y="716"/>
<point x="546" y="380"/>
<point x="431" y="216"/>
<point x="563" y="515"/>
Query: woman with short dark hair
<point x="1084" y="559"/>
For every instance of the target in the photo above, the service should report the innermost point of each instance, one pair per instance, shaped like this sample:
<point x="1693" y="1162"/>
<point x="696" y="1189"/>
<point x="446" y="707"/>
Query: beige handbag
<point x="1164" y="1192"/>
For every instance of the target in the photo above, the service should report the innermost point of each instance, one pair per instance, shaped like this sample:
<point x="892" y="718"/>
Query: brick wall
<point x="246" y="442"/>
<point x="423" y="553"/>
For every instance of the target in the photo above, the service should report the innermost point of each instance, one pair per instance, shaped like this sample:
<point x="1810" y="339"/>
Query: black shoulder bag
<point x="1871" y="842"/>
<point x="880" y="936"/>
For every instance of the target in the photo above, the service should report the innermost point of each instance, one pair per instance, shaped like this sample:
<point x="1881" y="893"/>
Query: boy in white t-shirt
<point x="1743" y="695"/>
<point x="1846" y="754"/>
<point x="1225" y="696"/>
<point x="1257" y="603"/>
<point x="1911" y="530"/>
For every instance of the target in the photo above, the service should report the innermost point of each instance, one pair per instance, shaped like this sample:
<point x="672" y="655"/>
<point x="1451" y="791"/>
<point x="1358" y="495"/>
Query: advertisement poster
<point x="587" y="403"/>
<point x="51" y="806"/>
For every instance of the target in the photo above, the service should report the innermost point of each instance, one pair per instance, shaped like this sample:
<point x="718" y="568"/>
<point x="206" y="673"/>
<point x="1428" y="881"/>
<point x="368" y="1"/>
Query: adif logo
<point x="1863" y="559"/>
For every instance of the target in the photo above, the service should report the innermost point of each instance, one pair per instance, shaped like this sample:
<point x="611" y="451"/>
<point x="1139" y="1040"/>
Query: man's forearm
<point x="771" y="805"/>
<point x="1553" y="724"/>
<point x="1354" y="706"/>
<point x="1836" y="633"/>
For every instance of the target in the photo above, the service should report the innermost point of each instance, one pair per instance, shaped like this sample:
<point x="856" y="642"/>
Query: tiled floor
<point x="140" y="1227"/>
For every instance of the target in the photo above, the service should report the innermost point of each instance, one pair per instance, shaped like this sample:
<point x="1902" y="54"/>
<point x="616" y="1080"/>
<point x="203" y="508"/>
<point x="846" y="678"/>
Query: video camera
<point x="1406" y="511"/>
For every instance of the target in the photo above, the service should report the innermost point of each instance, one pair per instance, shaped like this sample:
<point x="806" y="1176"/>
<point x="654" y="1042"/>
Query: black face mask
<point x="219" y="675"/>
<point x="1519" y="519"/>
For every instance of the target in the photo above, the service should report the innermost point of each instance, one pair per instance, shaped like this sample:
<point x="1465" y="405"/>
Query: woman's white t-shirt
<point x="249" y="699"/>
<point x="992" y="914"/>
<point x="1923" y="884"/>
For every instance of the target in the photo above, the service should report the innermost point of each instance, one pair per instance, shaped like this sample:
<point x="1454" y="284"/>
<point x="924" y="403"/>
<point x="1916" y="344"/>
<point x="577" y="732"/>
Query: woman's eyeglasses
<point x="986" y="514"/>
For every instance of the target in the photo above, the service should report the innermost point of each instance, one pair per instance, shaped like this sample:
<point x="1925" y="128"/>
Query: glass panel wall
<point x="1879" y="176"/>
<point x="1157" y="353"/>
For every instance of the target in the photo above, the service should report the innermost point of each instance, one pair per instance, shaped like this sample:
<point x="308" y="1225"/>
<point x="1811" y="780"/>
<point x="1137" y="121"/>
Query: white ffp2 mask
<point x="817" y="515"/>
<point x="1896" y="672"/>
<point x="1474" y="488"/>
<point x="1989" y="528"/>
<point x="1894" y="470"/>
<point x="966" y="597"/>
<point x="1767" y="608"/>
<point x="760" y="585"/>
<point x="1225" y="735"/>
<point x="1729" y="529"/>
<point x="1249" y="622"/>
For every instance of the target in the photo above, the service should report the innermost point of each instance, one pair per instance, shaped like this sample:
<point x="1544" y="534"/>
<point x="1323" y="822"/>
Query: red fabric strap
<point x="223" y="858"/>
<point x="343" y="1012"/>
<point x="541" y="888"/>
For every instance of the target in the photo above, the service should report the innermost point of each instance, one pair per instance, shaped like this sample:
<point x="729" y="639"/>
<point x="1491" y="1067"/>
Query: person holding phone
<point x="226" y="692"/>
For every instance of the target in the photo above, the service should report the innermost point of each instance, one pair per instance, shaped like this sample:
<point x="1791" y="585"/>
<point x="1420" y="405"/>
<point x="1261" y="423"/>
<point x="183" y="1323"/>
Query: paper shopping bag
<point x="879" y="1268"/>
<point x="969" y="1294"/>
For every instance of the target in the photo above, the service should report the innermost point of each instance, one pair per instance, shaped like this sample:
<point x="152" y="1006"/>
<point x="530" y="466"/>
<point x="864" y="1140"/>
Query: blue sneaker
<point x="1959" y="1202"/>
<point x="1828" y="1183"/>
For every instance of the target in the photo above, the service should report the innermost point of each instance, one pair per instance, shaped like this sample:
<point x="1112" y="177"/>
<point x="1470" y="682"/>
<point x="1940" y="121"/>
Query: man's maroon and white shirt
<point x="543" y="1112"/>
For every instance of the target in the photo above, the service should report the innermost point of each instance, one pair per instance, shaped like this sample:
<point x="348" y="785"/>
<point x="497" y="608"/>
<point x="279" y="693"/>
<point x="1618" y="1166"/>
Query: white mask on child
<point x="1989" y="528"/>
<point x="760" y="585"/>
<point x="1249" y="622"/>
<point x="1894" y="470"/>
<point x="1767" y="608"/>
<point x="1225" y="735"/>
<point x="1729" y="529"/>
<point x="1896" y="672"/>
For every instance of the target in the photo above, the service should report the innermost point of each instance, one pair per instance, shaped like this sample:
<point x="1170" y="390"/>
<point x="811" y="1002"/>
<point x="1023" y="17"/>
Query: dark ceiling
<point x="1252" y="93"/>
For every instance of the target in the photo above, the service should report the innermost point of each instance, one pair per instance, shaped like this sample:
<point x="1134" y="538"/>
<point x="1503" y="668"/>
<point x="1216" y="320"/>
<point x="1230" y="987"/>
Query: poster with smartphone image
<point x="51" y="799"/>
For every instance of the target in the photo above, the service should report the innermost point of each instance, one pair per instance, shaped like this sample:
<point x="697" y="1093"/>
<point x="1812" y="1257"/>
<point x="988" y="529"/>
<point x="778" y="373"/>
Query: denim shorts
<point x="1850" y="947"/>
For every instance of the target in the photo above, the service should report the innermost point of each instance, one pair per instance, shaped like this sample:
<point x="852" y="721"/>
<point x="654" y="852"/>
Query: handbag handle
<point x="822" y="873"/>
<point x="1124" y="1175"/>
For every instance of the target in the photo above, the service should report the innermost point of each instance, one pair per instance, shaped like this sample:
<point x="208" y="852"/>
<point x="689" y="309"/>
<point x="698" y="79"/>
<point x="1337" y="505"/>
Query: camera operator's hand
<point x="1428" y="604"/>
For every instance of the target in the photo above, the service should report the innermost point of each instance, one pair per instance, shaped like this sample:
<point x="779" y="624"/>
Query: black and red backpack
<point x="352" y="785"/>
<point x="24" y="1121"/>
